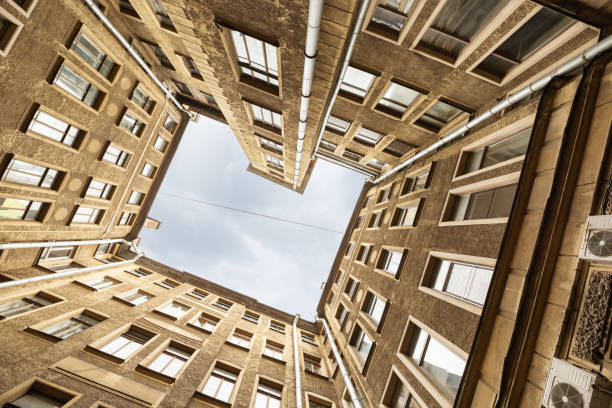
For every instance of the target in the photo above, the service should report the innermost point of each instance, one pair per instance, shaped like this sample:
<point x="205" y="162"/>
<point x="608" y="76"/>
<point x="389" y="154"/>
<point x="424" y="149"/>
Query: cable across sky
<point x="243" y="211"/>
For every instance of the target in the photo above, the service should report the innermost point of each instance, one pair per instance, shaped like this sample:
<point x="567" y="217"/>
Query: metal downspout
<point x="355" y="398"/>
<point x="296" y="363"/>
<point x="94" y="8"/>
<point x="363" y="7"/>
<point x="535" y="86"/>
<point x="315" y="9"/>
<point x="57" y="275"/>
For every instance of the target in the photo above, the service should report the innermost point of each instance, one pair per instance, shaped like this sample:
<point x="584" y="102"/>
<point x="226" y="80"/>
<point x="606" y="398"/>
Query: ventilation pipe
<point x="315" y="9"/>
<point x="355" y="398"/>
<point x="94" y="8"/>
<point x="296" y="363"/>
<point x="539" y="84"/>
<point x="363" y="7"/>
<point x="79" y="271"/>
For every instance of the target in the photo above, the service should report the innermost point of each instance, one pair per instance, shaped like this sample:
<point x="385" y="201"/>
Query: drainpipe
<point x="79" y="271"/>
<point x="94" y="8"/>
<point x="355" y="398"/>
<point x="539" y="84"/>
<point x="315" y="9"/>
<point x="296" y="363"/>
<point x="363" y="7"/>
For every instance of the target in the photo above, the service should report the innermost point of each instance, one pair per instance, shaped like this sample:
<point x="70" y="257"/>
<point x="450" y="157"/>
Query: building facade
<point x="463" y="279"/>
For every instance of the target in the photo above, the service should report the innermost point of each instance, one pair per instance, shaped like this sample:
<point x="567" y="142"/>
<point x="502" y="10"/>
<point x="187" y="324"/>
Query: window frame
<point x="97" y="346"/>
<point x="144" y="366"/>
<point x="98" y="214"/>
<point x="125" y="161"/>
<point x="43" y="387"/>
<point x="115" y="70"/>
<point x="367" y="317"/>
<point x="56" y="184"/>
<point x="241" y="335"/>
<point x="416" y="102"/>
<point x="38" y="329"/>
<point x="160" y="309"/>
<point x="101" y="97"/>
<point x="388" y="35"/>
<point x="416" y="203"/>
<point x="354" y="348"/>
<point x="250" y="105"/>
<point x="139" y="127"/>
<point x="209" y="319"/>
<point x="8" y="43"/>
<point x="402" y="262"/>
<point x="121" y="296"/>
<point x="51" y="297"/>
<point x="390" y="385"/>
<point x="464" y="115"/>
<point x="81" y="133"/>
<point x="350" y="97"/>
<point x="149" y="98"/>
<point x="224" y="366"/>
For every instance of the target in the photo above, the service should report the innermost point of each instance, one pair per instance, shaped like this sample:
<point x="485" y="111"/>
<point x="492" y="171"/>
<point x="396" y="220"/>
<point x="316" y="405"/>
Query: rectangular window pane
<point x="47" y="125"/>
<point x="84" y="46"/>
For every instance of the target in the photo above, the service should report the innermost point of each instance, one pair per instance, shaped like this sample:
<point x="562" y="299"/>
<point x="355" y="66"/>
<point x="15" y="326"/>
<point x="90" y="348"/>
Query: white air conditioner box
<point x="597" y="242"/>
<point x="568" y="386"/>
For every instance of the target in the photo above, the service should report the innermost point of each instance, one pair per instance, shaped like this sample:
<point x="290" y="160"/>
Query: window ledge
<point x="42" y="335"/>
<point x="193" y="326"/>
<point x="277" y="330"/>
<point x="500" y="220"/>
<point x="155" y="375"/>
<point x="106" y="356"/>
<point x="229" y="343"/>
<point x="160" y="313"/>
<point x="207" y="399"/>
<point x="488" y="168"/>
<point x="250" y="321"/>
<point x="322" y="377"/>
<point x="125" y="302"/>
<point x="276" y="360"/>
<point x="470" y="307"/>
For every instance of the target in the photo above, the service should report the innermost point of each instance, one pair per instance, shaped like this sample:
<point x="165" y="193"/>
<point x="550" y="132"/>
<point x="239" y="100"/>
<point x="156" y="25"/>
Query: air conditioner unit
<point x="568" y="386"/>
<point x="597" y="242"/>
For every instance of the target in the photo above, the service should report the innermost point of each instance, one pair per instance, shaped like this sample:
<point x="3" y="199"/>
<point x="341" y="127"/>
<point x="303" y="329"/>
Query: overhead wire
<point x="243" y="211"/>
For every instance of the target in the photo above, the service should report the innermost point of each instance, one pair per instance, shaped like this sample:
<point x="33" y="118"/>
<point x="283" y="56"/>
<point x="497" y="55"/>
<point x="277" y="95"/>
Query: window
<point x="308" y="338"/>
<point x="397" y="99"/>
<point x="277" y="326"/>
<point x="495" y="153"/>
<point x="9" y="29"/>
<point x="377" y="164"/>
<point x="358" y="222"/>
<point x="162" y="15"/>
<point x="23" y="172"/>
<point x="331" y="297"/>
<point x="438" y="116"/>
<point x="198" y="294"/>
<point x="398" y="395"/>
<point x="87" y="49"/>
<point x="64" y="267"/>
<point x="268" y="395"/>
<point x="361" y="344"/>
<point x="127" y="218"/>
<point x="21" y="210"/>
<point x="136" y="198"/>
<point x="139" y="273"/>
<point x="465" y="281"/>
<point x="317" y="404"/>
<point x="87" y="215"/>
<point x="251" y="317"/>
<point x="104" y="249"/>
<point x="313" y="365"/>
<point x="351" y="288"/>
<point x="274" y="162"/>
<point x="130" y="123"/>
<point x="337" y="125"/>
<point x="376" y="219"/>
<point x="42" y="395"/>
<point x="266" y="117"/>
<point x="367" y="201"/>
<point x="58" y="252"/>
<point x="397" y="148"/>
<point x="384" y="194"/>
<point x="135" y="298"/>
<point x="160" y="144"/>
<point x="128" y="343"/>
<point x="329" y="146"/>
<point x="126" y="7"/>
<point x="102" y="283"/>
<point x="455" y="27"/>
<point x="99" y="189"/>
<point x="389" y="261"/>
<point x="220" y="385"/>
<point x="389" y="18"/>
<point x="273" y="350"/>
<point x="241" y="339"/>
<point x="532" y="36"/>
<point x="349" y="249"/>
<point x="374" y="307"/>
<point x="352" y="155"/>
<point x="206" y="322"/>
<point x="415" y="183"/>
<point x="18" y="306"/>
<point x="339" y="276"/>
<point x="367" y="137"/>
<point x="256" y="59"/>
<point x="175" y="309"/>
<point x="72" y="326"/>
<point x="142" y="99"/>
<point x="191" y="67"/>
<point x="77" y="86"/>
<point x="341" y="315"/>
<point x="160" y="54"/>
<point x="223" y="304"/>
<point x="271" y="144"/>
<point x="492" y="203"/>
<point x="170" y="361"/>
<point x="363" y="253"/>
<point x="115" y="155"/>
<point x="356" y="83"/>
<point x="170" y="124"/>
<point x="148" y="170"/>
<point x="47" y="125"/>
<point x="443" y="365"/>
<point x="167" y="284"/>
<point x="182" y="88"/>
<point x="405" y="215"/>
<point x="209" y="98"/>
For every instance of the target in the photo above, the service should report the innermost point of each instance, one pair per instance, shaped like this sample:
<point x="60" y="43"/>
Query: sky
<point x="280" y="264"/>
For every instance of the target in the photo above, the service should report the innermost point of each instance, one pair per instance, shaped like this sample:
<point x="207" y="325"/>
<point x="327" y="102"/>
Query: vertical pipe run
<point x="296" y="363"/>
<point x="355" y="398"/>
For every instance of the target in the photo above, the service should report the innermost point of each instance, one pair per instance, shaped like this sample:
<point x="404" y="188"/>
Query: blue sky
<point x="277" y="263"/>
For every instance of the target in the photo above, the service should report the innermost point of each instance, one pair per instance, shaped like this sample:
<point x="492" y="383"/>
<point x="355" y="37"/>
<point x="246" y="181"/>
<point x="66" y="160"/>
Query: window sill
<point x="274" y="359"/>
<point x="278" y="331"/>
<point x="229" y="343"/>
<point x="193" y="326"/>
<point x="166" y="379"/>
<point x="106" y="356"/>
<point x="320" y="376"/>
<point x="250" y="321"/>
<point x="125" y="302"/>
<point x="42" y="335"/>
<point x="499" y="220"/>
<point x="485" y="169"/>
<point x="199" y="396"/>
<point x="160" y="313"/>
<point x="470" y="307"/>
<point x="401" y="227"/>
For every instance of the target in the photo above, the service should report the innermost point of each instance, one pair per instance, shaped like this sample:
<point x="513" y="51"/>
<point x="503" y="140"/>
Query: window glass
<point x="160" y="144"/>
<point x="465" y="281"/>
<point x="22" y="172"/>
<point x="102" y="283"/>
<point x="267" y="397"/>
<point x="240" y="339"/>
<point x="498" y="152"/>
<point x="374" y="307"/>
<point x="114" y="155"/>
<point x="92" y="54"/>
<point x="170" y="361"/>
<point x="162" y="14"/>
<point x="131" y="124"/>
<point x="390" y="261"/>
<point x="438" y="116"/>
<point x="74" y="84"/>
<point x="257" y="59"/>
<point x="126" y="344"/>
<point x="175" y="309"/>
<point x="26" y="304"/>
<point x="70" y="327"/>
<point x="397" y="148"/>
<point x="49" y="126"/>
<point x="99" y="189"/>
<point x="273" y="351"/>
<point x="220" y="384"/>
<point x="356" y="82"/>
<point x="405" y="216"/>
<point x="361" y="343"/>
<point x="367" y="136"/>
<point x="15" y="209"/>
<point x="87" y="215"/>
<point x="35" y="399"/>
<point x="142" y="99"/>
<point x="337" y="124"/>
<point x="206" y="322"/>
<point x="266" y="116"/>
<point x="493" y="203"/>
<point x="136" y="298"/>
<point x="397" y="98"/>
